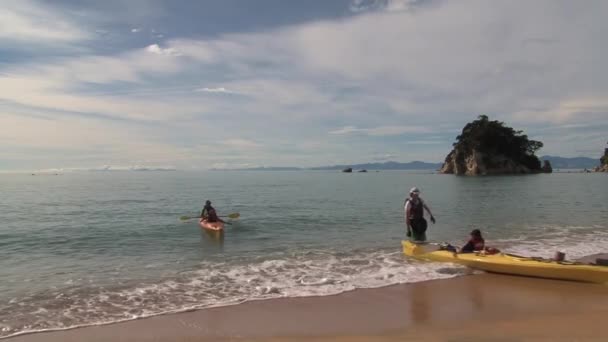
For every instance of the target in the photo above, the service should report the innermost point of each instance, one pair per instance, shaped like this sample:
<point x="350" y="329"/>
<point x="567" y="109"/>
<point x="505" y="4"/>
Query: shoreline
<point x="218" y="306"/>
<point x="424" y="309"/>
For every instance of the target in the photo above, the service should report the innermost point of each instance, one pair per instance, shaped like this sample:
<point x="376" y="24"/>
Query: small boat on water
<point x="511" y="264"/>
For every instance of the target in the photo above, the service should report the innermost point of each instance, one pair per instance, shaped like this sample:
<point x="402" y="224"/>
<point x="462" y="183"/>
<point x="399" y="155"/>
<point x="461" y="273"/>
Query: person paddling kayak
<point x="415" y="222"/>
<point x="209" y="214"/>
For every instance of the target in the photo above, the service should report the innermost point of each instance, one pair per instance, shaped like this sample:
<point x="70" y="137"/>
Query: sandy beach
<point x="478" y="307"/>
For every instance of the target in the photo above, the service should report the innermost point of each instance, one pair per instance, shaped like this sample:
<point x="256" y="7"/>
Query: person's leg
<point x="419" y="230"/>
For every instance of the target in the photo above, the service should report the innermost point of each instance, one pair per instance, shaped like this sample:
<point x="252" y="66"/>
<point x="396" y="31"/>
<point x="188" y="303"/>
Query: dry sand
<point x="472" y="308"/>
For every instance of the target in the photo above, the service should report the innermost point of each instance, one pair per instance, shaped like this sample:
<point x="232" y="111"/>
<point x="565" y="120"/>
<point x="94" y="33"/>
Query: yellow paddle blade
<point x="234" y="215"/>
<point x="184" y="218"/>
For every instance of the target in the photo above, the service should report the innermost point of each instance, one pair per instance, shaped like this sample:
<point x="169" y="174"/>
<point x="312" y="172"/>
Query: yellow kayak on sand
<point x="511" y="264"/>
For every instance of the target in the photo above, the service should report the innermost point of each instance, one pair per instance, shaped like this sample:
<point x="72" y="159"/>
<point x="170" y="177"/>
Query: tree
<point x="495" y="138"/>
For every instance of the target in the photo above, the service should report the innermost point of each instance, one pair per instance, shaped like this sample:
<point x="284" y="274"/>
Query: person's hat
<point x="208" y="202"/>
<point x="414" y="190"/>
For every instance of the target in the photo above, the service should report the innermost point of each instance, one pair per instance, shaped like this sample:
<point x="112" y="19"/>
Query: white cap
<point x="414" y="190"/>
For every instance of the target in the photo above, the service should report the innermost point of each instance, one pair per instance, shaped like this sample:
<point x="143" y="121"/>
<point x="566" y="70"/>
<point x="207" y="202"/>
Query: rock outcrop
<point x="603" y="163"/>
<point x="489" y="148"/>
<point x="547" y="168"/>
<point x="348" y="170"/>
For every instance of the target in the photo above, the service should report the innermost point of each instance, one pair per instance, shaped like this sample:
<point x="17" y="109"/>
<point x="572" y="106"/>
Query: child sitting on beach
<point x="478" y="244"/>
<point x="475" y="244"/>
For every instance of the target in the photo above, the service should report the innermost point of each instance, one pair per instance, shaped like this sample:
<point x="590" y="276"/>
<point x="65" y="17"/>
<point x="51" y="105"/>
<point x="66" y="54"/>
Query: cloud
<point x="380" y="131"/>
<point x="565" y="111"/>
<point x="29" y="21"/>
<point x="220" y="90"/>
<point x="384" y="157"/>
<point x="360" y="6"/>
<point x="240" y="143"/>
<point x="55" y="86"/>
<point x="135" y="30"/>
<point x="155" y="48"/>
<point x="439" y="67"/>
<point x="233" y="166"/>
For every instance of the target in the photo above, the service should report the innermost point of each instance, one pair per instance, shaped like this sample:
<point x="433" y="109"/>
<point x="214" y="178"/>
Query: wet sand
<point x="480" y="307"/>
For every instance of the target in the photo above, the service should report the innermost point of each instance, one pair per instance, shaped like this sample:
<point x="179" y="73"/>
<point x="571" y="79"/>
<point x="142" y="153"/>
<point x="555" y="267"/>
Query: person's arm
<point x="204" y="213"/>
<point x="468" y="248"/>
<point x="428" y="211"/>
<point x="408" y="208"/>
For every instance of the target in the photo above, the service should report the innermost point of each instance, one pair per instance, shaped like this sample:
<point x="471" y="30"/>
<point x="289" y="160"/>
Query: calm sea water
<point x="91" y="248"/>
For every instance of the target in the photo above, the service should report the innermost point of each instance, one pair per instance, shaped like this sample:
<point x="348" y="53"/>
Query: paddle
<point x="231" y="216"/>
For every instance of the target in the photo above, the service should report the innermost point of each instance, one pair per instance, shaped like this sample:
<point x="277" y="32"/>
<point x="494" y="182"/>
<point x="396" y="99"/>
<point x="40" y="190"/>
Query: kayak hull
<point x="511" y="264"/>
<point x="211" y="226"/>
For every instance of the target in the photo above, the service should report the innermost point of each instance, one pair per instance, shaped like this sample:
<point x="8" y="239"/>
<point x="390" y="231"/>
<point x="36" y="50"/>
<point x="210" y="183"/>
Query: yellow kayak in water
<point x="511" y="264"/>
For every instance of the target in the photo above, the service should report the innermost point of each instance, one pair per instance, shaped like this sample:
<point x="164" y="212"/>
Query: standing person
<point x="209" y="214"/>
<point x="414" y="216"/>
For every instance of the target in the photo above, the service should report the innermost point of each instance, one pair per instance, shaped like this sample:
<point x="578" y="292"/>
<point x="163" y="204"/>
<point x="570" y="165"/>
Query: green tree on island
<point x="495" y="138"/>
<point x="498" y="146"/>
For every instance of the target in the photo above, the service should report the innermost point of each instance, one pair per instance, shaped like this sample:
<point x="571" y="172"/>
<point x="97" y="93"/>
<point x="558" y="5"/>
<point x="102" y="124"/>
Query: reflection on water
<point x="213" y="239"/>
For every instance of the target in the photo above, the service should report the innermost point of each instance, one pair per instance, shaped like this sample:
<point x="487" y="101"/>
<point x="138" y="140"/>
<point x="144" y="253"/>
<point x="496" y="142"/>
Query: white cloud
<point x="240" y="143"/>
<point x="155" y="48"/>
<point x="582" y="109"/>
<point x="29" y="21"/>
<point x="50" y="86"/>
<point x="380" y="131"/>
<point x="135" y="30"/>
<point x="384" y="157"/>
<point x="380" y="73"/>
<point x="215" y="90"/>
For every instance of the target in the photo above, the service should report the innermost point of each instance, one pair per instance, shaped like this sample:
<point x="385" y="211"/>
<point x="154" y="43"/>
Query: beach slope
<point x="478" y="307"/>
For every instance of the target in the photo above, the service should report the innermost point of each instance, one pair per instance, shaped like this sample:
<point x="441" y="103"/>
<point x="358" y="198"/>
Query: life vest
<point x="478" y="244"/>
<point x="212" y="215"/>
<point x="416" y="209"/>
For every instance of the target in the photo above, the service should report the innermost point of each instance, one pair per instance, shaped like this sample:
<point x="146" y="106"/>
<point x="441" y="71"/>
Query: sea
<point x="89" y="248"/>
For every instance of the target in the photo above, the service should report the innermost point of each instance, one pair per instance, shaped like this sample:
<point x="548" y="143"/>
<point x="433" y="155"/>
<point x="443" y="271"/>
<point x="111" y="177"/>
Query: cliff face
<point x="490" y="148"/>
<point x="477" y="163"/>
<point x="603" y="163"/>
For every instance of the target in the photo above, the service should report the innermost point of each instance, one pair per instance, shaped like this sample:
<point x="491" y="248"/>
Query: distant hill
<point x="278" y="168"/>
<point x="571" y="163"/>
<point x="390" y="165"/>
<point x="556" y="162"/>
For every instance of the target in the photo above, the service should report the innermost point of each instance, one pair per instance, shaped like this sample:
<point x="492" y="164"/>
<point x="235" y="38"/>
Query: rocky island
<point x="603" y="162"/>
<point x="490" y="148"/>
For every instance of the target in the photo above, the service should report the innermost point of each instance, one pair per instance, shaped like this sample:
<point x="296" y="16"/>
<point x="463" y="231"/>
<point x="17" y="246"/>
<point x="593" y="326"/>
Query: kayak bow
<point x="214" y="226"/>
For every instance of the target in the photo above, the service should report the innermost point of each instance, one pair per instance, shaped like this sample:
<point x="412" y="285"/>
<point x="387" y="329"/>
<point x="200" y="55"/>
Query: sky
<point x="231" y="84"/>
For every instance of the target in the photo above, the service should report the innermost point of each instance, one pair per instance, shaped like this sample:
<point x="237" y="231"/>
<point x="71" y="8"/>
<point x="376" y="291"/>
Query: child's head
<point x="476" y="234"/>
